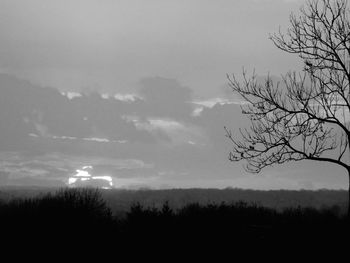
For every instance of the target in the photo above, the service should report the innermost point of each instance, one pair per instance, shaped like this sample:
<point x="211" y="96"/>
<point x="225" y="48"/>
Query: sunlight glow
<point x="71" y="95"/>
<point x="197" y="111"/>
<point x="82" y="175"/>
<point x="72" y="180"/>
<point x="127" y="97"/>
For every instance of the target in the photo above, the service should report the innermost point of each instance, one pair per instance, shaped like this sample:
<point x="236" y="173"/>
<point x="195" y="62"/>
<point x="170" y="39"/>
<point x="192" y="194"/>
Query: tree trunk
<point x="349" y="197"/>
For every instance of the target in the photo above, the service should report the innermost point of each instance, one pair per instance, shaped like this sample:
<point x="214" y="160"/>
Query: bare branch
<point x="306" y="116"/>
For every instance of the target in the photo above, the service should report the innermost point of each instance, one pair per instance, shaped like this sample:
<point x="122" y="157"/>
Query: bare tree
<point x="307" y="115"/>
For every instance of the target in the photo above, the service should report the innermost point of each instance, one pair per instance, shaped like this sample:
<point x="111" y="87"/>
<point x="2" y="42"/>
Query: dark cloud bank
<point x="45" y="135"/>
<point x="159" y="137"/>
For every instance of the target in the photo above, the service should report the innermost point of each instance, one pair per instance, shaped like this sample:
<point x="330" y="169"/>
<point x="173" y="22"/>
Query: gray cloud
<point x="99" y="47"/>
<point x="54" y="169"/>
<point x="154" y="140"/>
<point x="28" y="109"/>
<point x="166" y="98"/>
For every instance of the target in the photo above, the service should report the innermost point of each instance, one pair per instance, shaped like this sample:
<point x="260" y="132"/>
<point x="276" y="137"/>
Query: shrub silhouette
<point x="241" y="222"/>
<point x="67" y="210"/>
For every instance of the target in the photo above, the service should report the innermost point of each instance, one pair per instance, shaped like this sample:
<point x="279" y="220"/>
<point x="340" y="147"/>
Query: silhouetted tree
<point x="308" y="117"/>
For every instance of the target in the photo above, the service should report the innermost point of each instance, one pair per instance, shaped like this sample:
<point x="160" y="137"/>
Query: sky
<point x="109" y="45"/>
<point x="138" y="91"/>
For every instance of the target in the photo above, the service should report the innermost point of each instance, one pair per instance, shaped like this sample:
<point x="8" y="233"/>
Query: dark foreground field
<point x="82" y="218"/>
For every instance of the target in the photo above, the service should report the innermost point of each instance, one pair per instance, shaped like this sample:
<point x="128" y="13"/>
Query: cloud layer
<point x="150" y="138"/>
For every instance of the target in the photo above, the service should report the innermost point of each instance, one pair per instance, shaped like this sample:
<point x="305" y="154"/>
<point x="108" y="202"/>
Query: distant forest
<point x="120" y="200"/>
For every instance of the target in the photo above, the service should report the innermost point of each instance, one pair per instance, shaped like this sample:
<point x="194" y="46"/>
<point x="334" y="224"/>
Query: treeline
<point x="83" y="217"/>
<point x="120" y="200"/>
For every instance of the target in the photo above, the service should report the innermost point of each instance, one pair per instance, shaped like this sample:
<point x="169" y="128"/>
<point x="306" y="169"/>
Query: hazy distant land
<point x="120" y="200"/>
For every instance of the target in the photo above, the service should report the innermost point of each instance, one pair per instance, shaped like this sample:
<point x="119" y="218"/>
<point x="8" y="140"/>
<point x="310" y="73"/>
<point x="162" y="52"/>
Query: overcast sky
<point x="160" y="67"/>
<point x="110" y="45"/>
